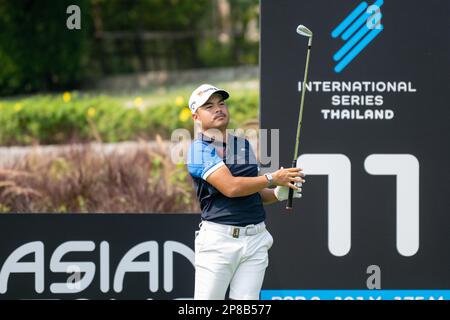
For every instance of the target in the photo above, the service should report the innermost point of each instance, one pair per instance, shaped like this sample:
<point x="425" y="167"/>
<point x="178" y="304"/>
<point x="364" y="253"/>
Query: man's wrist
<point x="269" y="178"/>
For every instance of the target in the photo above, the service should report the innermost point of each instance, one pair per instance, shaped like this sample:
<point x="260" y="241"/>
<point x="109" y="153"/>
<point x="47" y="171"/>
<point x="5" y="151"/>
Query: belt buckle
<point x="251" y="230"/>
<point x="235" y="233"/>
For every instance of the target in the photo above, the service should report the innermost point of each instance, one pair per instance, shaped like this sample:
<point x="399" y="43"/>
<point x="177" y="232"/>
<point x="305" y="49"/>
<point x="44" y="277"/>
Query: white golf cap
<point x="200" y="95"/>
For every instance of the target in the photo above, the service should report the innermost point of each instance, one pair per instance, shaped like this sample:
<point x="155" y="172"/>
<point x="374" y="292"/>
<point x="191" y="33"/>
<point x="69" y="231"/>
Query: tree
<point x="37" y="51"/>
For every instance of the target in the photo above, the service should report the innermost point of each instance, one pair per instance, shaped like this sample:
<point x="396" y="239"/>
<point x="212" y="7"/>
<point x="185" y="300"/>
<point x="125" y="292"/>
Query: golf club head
<point x="304" y="31"/>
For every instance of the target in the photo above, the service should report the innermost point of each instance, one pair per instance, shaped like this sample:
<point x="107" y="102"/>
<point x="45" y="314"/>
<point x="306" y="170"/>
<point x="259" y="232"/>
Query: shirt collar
<point x="205" y="138"/>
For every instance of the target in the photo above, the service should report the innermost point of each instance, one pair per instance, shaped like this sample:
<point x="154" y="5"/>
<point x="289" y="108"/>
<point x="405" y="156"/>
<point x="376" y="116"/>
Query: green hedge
<point x="37" y="51"/>
<point x="39" y="54"/>
<point x="73" y="117"/>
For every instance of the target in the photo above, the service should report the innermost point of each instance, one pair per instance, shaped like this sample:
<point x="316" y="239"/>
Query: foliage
<point x="152" y="14"/>
<point x="37" y="51"/>
<point x="76" y="117"/>
<point x="87" y="179"/>
<point x="39" y="54"/>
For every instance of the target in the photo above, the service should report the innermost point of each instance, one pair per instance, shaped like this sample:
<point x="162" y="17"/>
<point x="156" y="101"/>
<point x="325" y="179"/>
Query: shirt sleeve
<point x="203" y="160"/>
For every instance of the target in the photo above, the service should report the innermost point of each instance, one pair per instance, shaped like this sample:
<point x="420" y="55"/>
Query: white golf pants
<point x="230" y="256"/>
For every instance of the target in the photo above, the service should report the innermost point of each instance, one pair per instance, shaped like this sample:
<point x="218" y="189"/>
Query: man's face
<point x="213" y="114"/>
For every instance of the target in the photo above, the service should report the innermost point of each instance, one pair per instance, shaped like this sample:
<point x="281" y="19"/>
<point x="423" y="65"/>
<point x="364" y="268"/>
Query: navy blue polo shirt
<point x="204" y="157"/>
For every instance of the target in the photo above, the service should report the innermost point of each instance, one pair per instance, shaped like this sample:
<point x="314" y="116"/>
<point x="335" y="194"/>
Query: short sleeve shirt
<point x="206" y="156"/>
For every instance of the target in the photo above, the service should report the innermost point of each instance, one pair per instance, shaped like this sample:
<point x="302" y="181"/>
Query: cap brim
<point x="225" y="95"/>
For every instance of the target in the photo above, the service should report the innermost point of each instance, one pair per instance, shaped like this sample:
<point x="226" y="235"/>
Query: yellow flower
<point x="91" y="112"/>
<point x="17" y="107"/>
<point x="67" y="97"/>
<point x="185" y="115"/>
<point x="138" y="102"/>
<point x="179" y="101"/>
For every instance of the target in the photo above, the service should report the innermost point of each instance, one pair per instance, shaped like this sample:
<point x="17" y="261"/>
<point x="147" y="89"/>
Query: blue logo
<point x="359" y="28"/>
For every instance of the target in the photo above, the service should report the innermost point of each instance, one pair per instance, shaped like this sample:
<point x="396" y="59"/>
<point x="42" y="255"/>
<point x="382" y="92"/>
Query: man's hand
<point x="288" y="177"/>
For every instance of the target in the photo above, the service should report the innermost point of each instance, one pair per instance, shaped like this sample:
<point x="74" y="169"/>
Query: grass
<point x="85" y="180"/>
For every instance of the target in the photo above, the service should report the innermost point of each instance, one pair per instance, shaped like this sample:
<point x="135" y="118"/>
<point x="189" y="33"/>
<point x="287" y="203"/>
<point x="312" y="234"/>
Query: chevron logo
<point x="358" y="29"/>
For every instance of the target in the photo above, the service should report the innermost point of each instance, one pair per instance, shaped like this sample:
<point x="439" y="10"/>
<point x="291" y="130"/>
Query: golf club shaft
<point x="299" y="124"/>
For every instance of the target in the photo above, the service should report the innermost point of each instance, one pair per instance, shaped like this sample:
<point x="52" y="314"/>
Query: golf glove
<point x="282" y="193"/>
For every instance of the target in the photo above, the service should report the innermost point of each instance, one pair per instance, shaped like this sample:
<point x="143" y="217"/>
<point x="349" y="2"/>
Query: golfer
<point x="231" y="247"/>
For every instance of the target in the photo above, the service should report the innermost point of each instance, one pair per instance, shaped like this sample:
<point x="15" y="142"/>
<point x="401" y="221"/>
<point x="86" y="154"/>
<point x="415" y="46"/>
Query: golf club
<point x="303" y="31"/>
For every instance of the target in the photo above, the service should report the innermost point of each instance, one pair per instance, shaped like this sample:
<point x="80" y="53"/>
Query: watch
<point x="269" y="179"/>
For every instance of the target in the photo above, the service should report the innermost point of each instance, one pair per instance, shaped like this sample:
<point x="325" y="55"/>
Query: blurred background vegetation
<point x="38" y="52"/>
<point x="79" y="117"/>
<point x="106" y="98"/>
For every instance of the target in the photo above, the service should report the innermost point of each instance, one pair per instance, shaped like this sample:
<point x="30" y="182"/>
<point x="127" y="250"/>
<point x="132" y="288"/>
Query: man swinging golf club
<point x="231" y="247"/>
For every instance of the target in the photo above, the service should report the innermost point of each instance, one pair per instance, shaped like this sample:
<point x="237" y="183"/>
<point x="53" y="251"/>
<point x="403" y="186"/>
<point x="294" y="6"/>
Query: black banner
<point x="104" y="256"/>
<point x="374" y="144"/>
